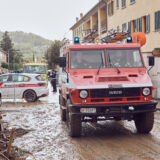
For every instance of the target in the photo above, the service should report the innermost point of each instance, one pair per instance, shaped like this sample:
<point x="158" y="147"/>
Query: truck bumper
<point x="113" y="110"/>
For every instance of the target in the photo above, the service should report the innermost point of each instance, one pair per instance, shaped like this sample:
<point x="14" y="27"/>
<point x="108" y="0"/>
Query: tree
<point x="52" y="54"/>
<point x="4" y="65"/>
<point x="14" y="57"/>
<point x="7" y="46"/>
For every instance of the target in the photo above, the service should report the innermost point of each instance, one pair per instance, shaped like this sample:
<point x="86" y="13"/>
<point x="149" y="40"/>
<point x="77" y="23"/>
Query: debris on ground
<point x="7" y="150"/>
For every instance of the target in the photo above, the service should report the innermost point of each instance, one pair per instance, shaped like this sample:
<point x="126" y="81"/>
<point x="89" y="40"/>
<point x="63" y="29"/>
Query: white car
<point x="22" y="85"/>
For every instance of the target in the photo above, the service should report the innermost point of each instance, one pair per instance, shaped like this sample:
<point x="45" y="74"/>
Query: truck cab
<point x="105" y="82"/>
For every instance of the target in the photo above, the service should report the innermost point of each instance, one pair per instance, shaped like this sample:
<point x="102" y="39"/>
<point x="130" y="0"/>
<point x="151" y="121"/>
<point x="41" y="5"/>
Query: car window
<point x="20" y="78"/>
<point x="5" y="78"/>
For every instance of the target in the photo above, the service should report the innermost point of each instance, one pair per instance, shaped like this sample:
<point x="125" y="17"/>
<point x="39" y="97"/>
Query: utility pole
<point x="8" y="59"/>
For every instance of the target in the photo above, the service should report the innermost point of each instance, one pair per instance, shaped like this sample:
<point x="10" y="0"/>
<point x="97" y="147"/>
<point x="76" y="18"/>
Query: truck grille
<point x="114" y="92"/>
<point x="103" y="79"/>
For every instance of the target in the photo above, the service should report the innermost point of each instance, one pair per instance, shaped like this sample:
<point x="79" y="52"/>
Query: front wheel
<point x="63" y="114"/>
<point x="30" y="96"/>
<point x="0" y="101"/>
<point x="74" y="123"/>
<point x="144" y="122"/>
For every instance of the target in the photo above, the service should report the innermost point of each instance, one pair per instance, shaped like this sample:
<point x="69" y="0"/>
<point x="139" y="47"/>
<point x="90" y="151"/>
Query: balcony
<point x="103" y="26"/>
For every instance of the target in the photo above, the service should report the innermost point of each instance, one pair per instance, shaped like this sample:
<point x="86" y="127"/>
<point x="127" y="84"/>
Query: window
<point x="5" y="78"/>
<point x="124" y="27"/>
<point x="132" y="1"/>
<point x="140" y="24"/>
<point x="40" y="69"/>
<point x="110" y="8"/>
<point x="124" y="58"/>
<point x="20" y="78"/>
<point x="123" y="3"/>
<point x="83" y="59"/>
<point x="157" y="20"/>
<point x="118" y="29"/>
<point x="129" y="27"/>
<point x="117" y="4"/>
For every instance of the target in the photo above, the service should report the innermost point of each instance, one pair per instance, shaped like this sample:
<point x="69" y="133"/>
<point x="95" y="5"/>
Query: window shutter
<point x="147" y="23"/>
<point x="158" y="20"/>
<point x="109" y="9"/>
<point x="129" y="27"/>
<point x="135" y="25"/>
<point x="117" y="4"/>
<point x="140" y="24"/>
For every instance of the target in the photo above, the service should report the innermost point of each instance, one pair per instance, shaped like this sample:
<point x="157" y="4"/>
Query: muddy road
<point x="47" y="138"/>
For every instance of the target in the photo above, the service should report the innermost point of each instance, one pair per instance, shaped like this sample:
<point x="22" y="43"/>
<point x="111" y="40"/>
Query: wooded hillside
<point x="29" y="43"/>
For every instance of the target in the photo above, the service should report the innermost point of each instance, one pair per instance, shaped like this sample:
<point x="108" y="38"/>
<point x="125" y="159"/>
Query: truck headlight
<point x="83" y="94"/>
<point x="146" y="91"/>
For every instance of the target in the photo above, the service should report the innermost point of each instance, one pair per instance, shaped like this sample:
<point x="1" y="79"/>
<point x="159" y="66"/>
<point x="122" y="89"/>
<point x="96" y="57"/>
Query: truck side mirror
<point x="151" y="60"/>
<point x="62" y="61"/>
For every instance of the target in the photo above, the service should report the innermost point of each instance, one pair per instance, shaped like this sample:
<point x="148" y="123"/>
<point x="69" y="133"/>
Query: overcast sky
<point x="48" y="18"/>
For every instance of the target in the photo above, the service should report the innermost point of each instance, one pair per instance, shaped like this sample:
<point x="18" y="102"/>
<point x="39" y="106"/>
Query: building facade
<point x="121" y="16"/>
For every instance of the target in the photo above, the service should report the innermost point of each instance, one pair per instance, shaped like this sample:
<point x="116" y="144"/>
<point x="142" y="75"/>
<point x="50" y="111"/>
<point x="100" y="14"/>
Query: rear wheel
<point x="63" y="113"/>
<point x="0" y="101"/>
<point x="144" y="122"/>
<point x="30" y="96"/>
<point x="74" y="123"/>
<point x="62" y="110"/>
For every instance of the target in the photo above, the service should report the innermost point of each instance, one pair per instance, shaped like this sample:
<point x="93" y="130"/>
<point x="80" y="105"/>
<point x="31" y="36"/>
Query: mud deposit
<point x="47" y="138"/>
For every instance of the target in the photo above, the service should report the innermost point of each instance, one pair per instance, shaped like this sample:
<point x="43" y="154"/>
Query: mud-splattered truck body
<point x="101" y="89"/>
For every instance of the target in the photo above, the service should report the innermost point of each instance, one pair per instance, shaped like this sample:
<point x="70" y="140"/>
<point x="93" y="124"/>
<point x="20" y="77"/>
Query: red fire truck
<point x="105" y="82"/>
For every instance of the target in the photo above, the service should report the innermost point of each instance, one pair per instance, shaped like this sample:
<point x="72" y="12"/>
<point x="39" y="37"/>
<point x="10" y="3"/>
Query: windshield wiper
<point x="118" y="70"/>
<point x="102" y="64"/>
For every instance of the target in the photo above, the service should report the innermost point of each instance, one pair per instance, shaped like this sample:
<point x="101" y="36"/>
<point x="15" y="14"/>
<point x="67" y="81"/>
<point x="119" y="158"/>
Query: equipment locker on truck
<point x="105" y="82"/>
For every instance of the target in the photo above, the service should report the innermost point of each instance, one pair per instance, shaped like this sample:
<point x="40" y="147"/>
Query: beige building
<point x="128" y="16"/>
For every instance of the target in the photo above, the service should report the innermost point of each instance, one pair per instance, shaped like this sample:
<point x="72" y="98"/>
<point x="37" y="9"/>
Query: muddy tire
<point x="144" y="122"/>
<point x="0" y="101"/>
<point x="30" y="96"/>
<point x="74" y="123"/>
<point x="62" y="110"/>
<point x="63" y="113"/>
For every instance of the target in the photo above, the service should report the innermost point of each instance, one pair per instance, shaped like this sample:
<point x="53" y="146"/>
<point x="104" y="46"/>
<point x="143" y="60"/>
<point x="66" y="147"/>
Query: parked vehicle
<point x="98" y="85"/>
<point x="39" y="68"/>
<point x="23" y="85"/>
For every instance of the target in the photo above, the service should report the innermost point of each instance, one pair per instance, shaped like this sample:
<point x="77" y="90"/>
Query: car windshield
<point x="83" y="59"/>
<point x="124" y="58"/>
<point x="40" y="69"/>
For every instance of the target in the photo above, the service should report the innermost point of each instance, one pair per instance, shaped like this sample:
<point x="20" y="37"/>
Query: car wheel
<point x="144" y="122"/>
<point x="74" y="123"/>
<point x="30" y="96"/>
<point x="0" y="101"/>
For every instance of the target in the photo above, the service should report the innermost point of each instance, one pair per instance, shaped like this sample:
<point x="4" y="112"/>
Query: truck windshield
<point x="40" y="69"/>
<point x="83" y="59"/>
<point x="124" y="58"/>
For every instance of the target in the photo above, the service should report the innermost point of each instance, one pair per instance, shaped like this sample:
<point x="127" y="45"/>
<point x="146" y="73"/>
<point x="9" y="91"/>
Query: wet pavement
<point x="48" y="138"/>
